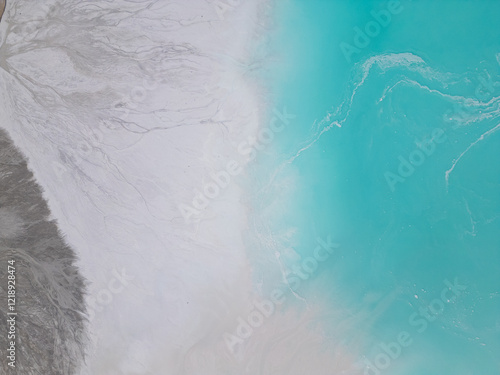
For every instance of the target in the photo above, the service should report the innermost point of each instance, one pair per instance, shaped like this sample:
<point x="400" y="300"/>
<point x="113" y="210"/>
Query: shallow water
<point x="394" y="154"/>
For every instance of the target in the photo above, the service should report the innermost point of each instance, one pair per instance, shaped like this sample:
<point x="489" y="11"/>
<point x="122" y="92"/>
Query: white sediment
<point x="124" y="109"/>
<point x="115" y="176"/>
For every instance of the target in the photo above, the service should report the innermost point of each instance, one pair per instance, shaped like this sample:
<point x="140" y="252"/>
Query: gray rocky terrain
<point x="50" y="320"/>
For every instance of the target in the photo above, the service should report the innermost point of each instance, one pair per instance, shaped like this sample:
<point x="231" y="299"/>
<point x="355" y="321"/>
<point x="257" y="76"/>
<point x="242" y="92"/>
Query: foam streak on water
<point x="395" y="155"/>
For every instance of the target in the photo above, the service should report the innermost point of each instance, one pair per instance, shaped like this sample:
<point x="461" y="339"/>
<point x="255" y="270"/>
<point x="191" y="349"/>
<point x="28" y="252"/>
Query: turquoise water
<point x="423" y="97"/>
